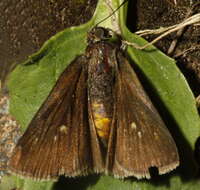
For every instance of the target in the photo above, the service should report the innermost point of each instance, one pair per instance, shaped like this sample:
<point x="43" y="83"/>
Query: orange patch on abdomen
<point x="101" y="120"/>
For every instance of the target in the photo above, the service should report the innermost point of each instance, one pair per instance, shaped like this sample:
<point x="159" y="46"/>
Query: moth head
<point x="97" y="34"/>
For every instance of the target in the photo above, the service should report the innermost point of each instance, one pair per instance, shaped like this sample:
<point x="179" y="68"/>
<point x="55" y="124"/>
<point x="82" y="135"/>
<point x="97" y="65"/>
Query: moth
<point x="96" y="119"/>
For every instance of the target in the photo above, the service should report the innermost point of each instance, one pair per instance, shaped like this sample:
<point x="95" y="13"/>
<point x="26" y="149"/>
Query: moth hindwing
<point x="96" y="119"/>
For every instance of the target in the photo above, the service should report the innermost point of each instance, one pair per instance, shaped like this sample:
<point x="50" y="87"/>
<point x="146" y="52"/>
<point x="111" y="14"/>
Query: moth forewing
<point x="57" y="140"/>
<point x="141" y="139"/>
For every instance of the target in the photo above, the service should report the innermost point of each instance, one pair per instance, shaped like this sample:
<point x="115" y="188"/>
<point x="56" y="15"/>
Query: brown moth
<point x="96" y="119"/>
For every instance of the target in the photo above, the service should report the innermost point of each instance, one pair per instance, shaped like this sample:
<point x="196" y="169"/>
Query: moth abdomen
<point x="102" y="120"/>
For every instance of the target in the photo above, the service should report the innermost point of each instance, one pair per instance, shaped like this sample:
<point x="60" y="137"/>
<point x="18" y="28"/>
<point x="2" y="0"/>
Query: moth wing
<point x="139" y="139"/>
<point x="57" y="141"/>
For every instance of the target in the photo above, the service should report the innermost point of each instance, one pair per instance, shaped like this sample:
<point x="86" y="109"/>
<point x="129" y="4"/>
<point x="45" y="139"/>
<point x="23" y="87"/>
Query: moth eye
<point x="99" y="32"/>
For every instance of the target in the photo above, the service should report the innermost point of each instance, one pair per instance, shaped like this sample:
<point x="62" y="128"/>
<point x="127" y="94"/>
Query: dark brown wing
<point x="57" y="140"/>
<point x="139" y="139"/>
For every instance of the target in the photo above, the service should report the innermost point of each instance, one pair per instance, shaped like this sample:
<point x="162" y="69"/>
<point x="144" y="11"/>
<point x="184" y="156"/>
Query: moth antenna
<point x="112" y="13"/>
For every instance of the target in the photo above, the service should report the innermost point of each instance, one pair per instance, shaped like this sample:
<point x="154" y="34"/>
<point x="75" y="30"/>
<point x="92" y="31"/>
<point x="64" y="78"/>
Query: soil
<point x="26" y="24"/>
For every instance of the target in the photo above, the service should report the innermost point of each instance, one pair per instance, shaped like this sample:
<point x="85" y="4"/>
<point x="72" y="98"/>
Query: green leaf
<point x="31" y="82"/>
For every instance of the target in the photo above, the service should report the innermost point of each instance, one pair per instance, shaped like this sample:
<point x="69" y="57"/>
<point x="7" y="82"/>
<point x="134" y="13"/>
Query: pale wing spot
<point x="133" y="125"/>
<point x="35" y="140"/>
<point x="155" y="135"/>
<point x="63" y="129"/>
<point x="139" y="134"/>
<point x="55" y="138"/>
